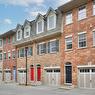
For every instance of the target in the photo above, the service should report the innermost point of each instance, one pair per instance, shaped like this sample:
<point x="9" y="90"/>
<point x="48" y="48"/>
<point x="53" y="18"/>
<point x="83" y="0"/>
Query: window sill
<point x="67" y="50"/>
<point x="82" y="48"/>
<point x="82" y="19"/>
<point x="69" y="24"/>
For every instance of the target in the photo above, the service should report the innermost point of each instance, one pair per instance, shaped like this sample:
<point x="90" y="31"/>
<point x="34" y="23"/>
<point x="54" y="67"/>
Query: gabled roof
<point x="38" y="16"/>
<point x="26" y="22"/>
<point x="50" y="10"/>
<point x="19" y="26"/>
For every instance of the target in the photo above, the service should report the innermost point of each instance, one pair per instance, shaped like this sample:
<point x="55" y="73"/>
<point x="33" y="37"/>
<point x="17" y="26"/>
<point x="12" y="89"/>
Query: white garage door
<point x="7" y="76"/>
<point x="87" y="78"/>
<point x="21" y="77"/>
<point x="0" y="76"/>
<point x="52" y="77"/>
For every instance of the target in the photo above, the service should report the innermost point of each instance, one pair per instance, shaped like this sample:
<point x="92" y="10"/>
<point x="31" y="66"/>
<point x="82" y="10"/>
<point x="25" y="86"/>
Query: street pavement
<point x="15" y="89"/>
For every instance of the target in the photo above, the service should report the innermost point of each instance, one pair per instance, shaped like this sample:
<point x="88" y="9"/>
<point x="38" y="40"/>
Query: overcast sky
<point x="13" y="12"/>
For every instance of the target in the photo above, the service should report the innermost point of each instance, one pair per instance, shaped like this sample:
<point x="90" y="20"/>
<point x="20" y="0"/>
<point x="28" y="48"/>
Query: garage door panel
<point x="81" y="80"/>
<point x="93" y="80"/>
<point x="87" y="80"/>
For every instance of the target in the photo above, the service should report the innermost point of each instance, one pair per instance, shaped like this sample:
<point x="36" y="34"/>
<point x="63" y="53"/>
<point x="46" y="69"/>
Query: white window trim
<point x="48" y="28"/>
<point x="38" y="32"/>
<point x="25" y="32"/>
<point x="70" y="36"/>
<point x="78" y="39"/>
<point x="71" y="19"/>
<point x="8" y="55"/>
<point x="93" y="38"/>
<point x="93" y="8"/>
<point x="19" y="53"/>
<point x="2" y="56"/>
<point x="79" y="15"/>
<point x="20" y="34"/>
<point x="2" y="43"/>
<point x="50" y="46"/>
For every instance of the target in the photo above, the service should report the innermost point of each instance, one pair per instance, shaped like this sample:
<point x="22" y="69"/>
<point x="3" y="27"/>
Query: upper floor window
<point x="0" y="55"/>
<point x="22" y="52"/>
<point x="40" y="26"/>
<point x="0" y="42"/>
<point x="51" y="21"/>
<point x="9" y="55"/>
<point x="53" y="46"/>
<point x="13" y="54"/>
<point x="41" y="48"/>
<point x="26" y="31"/>
<point x="93" y="38"/>
<point x="68" y="17"/>
<point x="19" y="34"/>
<point x="9" y="40"/>
<point x="4" y="41"/>
<point x="30" y="51"/>
<point x="13" y="39"/>
<point x="94" y="7"/>
<point x="82" y="40"/>
<point x="4" y="55"/>
<point x="68" y="42"/>
<point x="82" y="13"/>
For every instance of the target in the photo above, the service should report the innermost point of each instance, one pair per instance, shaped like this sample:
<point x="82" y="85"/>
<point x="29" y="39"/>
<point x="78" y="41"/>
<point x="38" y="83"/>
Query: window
<point x="53" y="46"/>
<point x="68" y="42"/>
<point x="68" y="17"/>
<point x="19" y="34"/>
<point x="0" y="56"/>
<point x="21" y="52"/>
<point x="4" y="55"/>
<point x="94" y="7"/>
<point x="40" y="26"/>
<point x="93" y="38"/>
<point x="82" y="40"/>
<point x="26" y="31"/>
<point x="30" y="51"/>
<point x="13" y="54"/>
<point x="51" y="22"/>
<point x="9" y="55"/>
<point x="41" y="48"/>
<point x="4" y="41"/>
<point x="13" y="39"/>
<point x="82" y="13"/>
<point x="0" y="43"/>
<point x="8" y="39"/>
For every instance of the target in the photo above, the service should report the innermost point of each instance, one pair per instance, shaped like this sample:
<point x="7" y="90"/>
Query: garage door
<point x="7" y="76"/>
<point x="87" y="78"/>
<point x="0" y="76"/>
<point x="21" y="77"/>
<point x="52" y="77"/>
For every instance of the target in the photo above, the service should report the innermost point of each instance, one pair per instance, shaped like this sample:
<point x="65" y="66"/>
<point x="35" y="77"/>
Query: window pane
<point x="93" y="38"/>
<point x="40" y="26"/>
<point x="69" y="43"/>
<point x="51" y="22"/>
<point x="0" y="43"/>
<point x="30" y="51"/>
<point x="22" y="52"/>
<point x="68" y="18"/>
<point x="82" y="40"/>
<point x="0" y="56"/>
<point x="82" y="13"/>
<point x="4" y="55"/>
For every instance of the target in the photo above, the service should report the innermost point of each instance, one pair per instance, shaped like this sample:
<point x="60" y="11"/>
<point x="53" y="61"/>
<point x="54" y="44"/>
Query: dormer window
<point x="19" y="34"/>
<point x="40" y="26"/>
<point x="26" y="31"/>
<point x="51" y="21"/>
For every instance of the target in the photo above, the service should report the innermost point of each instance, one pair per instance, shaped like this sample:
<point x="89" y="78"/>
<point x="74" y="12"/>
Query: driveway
<point x="14" y="89"/>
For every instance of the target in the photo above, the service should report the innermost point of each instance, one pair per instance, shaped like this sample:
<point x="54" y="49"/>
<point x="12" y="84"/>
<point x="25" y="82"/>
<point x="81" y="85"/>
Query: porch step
<point x="67" y="87"/>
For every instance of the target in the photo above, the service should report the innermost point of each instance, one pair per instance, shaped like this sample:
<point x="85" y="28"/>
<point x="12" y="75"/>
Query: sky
<point x="13" y="12"/>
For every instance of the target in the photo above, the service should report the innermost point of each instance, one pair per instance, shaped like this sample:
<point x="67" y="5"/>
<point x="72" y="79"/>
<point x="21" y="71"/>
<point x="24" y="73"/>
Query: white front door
<point x="86" y="78"/>
<point x="22" y="77"/>
<point x="52" y="77"/>
<point x="7" y="76"/>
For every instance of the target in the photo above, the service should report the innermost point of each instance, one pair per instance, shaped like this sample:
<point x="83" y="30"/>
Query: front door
<point x="68" y="73"/>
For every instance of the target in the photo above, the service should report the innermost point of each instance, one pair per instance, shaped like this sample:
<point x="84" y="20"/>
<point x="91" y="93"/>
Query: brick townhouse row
<point x="60" y="48"/>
